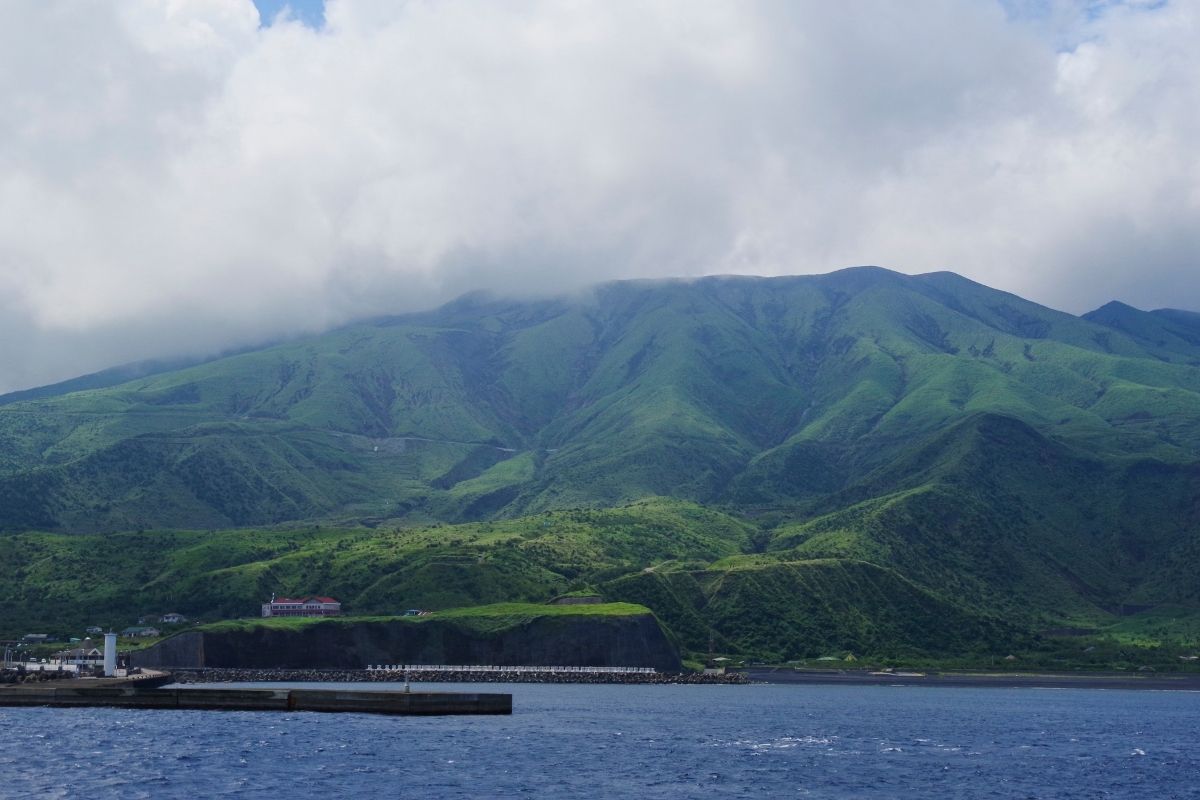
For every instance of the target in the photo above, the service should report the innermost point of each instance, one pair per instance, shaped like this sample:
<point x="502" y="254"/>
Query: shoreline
<point x="1029" y="680"/>
<point x="238" y="675"/>
<point x="782" y="676"/>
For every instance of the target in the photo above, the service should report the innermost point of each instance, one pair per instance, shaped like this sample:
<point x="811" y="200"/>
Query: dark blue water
<point x="632" y="741"/>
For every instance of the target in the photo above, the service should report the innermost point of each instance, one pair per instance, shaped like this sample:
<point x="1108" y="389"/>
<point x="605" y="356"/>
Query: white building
<point x="301" y="607"/>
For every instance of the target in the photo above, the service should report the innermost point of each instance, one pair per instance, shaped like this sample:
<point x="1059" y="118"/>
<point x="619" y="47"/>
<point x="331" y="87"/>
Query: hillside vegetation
<point x="861" y="460"/>
<point x="725" y="390"/>
<point x="696" y="581"/>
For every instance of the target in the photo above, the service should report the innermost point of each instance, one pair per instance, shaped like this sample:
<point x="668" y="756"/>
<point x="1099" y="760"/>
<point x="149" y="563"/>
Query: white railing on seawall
<point x="511" y="670"/>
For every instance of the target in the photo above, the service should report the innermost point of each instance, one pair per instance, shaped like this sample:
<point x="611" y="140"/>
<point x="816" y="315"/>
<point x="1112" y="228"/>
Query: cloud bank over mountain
<point x="176" y="177"/>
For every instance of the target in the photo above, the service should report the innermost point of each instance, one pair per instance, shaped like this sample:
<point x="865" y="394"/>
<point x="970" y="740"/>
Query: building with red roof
<point x="309" y="606"/>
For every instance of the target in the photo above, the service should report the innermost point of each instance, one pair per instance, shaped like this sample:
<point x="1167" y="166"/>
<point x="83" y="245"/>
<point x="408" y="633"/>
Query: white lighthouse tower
<point x="110" y="655"/>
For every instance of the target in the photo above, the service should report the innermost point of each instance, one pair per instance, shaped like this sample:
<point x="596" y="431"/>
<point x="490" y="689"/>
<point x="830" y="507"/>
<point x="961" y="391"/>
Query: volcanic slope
<point x="740" y="391"/>
<point x="951" y="451"/>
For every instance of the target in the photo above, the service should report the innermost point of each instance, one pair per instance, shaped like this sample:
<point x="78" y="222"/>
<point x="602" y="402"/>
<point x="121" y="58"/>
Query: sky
<point x="309" y="12"/>
<point x="179" y="177"/>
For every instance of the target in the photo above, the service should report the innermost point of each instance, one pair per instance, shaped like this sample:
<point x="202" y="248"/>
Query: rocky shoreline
<point x="1041" y="680"/>
<point x="215" y="675"/>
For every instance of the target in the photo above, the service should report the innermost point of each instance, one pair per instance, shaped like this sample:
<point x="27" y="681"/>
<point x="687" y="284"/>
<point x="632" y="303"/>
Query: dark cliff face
<point x="634" y="641"/>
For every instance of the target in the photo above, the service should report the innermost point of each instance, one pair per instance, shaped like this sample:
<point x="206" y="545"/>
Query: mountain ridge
<point x="1011" y="462"/>
<point x="690" y="384"/>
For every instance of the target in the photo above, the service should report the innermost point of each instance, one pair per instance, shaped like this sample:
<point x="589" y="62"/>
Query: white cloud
<point x="175" y="178"/>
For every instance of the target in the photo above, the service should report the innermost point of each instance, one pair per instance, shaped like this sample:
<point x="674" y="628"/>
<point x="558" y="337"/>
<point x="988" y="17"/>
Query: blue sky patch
<point x="310" y="12"/>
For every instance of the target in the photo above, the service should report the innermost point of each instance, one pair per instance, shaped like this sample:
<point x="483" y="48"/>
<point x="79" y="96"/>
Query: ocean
<point x="606" y="741"/>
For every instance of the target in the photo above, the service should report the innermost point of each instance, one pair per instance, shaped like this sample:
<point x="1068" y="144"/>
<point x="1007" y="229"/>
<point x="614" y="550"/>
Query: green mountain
<point x="890" y="450"/>
<point x="1168" y="332"/>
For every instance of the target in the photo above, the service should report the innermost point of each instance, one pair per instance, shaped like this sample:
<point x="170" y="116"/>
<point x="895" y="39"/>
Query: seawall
<point x="464" y="675"/>
<point x="221" y="699"/>
<point x="585" y="641"/>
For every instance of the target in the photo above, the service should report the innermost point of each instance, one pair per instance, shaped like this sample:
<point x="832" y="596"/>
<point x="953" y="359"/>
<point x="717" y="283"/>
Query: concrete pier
<point x="327" y="700"/>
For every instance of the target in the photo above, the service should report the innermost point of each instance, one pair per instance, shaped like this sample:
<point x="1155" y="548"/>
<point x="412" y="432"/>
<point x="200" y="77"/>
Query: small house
<point x="140" y="632"/>
<point x="85" y="655"/>
<point x="172" y="618"/>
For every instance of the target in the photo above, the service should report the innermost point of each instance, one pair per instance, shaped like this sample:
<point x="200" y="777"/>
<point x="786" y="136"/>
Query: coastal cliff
<point x="502" y="638"/>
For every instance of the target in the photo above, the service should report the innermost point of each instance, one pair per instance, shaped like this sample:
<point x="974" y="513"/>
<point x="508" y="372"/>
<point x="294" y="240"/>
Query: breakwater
<point x="73" y="695"/>
<point x="465" y="674"/>
<point x="16" y="677"/>
<point x="12" y="678"/>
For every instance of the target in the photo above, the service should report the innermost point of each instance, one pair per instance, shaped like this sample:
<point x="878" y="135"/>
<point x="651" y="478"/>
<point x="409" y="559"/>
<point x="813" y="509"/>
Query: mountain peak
<point x="1111" y="308"/>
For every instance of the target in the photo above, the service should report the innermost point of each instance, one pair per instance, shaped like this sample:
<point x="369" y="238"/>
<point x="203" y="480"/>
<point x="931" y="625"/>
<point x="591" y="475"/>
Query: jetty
<point x="147" y="692"/>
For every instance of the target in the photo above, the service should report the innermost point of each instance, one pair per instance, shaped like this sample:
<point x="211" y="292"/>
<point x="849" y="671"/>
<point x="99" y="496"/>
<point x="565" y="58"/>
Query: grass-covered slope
<point x="681" y="561"/>
<point x="886" y="578"/>
<point x="898" y="461"/>
<point x="801" y="609"/>
<point x="491" y="618"/>
<point x="1002" y="518"/>
<point x="734" y="390"/>
<point x="66" y="582"/>
<point x="1169" y="333"/>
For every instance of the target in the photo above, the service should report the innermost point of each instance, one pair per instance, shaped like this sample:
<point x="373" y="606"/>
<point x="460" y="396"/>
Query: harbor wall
<point x="632" y="641"/>
<point x="336" y="700"/>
